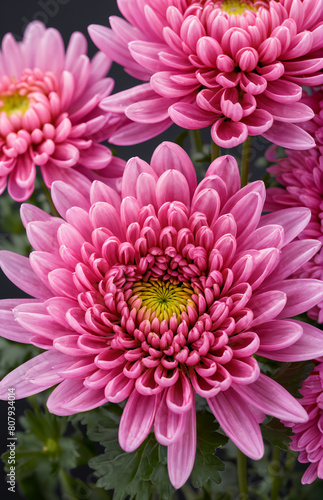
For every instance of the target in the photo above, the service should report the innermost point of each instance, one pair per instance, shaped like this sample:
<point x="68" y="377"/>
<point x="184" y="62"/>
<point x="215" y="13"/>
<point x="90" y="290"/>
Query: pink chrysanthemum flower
<point x="237" y="66"/>
<point x="49" y="110"/>
<point x="308" y="437"/>
<point x="158" y="294"/>
<point x="301" y="174"/>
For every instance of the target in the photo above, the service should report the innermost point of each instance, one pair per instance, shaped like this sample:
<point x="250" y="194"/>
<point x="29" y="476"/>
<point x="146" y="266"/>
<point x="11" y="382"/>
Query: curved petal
<point x="272" y="399"/>
<point x="181" y="454"/>
<point x="238" y="422"/>
<point x="137" y="420"/>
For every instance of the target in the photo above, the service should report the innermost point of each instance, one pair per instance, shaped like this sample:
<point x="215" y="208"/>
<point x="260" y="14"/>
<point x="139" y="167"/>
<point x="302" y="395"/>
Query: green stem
<point x="196" y="141"/>
<point x="66" y="487"/>
<point x="242" y="475"/>
<point x="215" y="151"/>
<point x="274" y="473"/>
<point x="245" y="160"/>
<point x="49" y="199"/>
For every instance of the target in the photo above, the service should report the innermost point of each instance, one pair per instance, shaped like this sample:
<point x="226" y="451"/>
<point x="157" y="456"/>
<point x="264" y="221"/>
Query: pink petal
<point x="308" y="346"/>
<point x="18" y="269"/>
<point x="189" y="115"/>
<point x="289" y="136"/>
<point x="172" y="186"/>
<point x="293" y="220"/>
<point x="72" y="397"/>
<point x="238" y="422"/>
<point x="278" y="334"/>
<point x="302" y="294"/>
<point x="17" y="378"/>
<point x="137" y="420"/>
<point x="168" y="426"/>
<point x="168" y="156"/>
<point x="273" y="399"/>
<point x="181" y="454"/>
<point x="228" y="134"/>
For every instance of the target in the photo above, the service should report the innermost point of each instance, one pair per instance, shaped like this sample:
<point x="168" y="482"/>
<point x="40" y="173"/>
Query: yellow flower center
<point x="162" y="298"/>
<point x="14" y="103"/>
<point x="236" y="7"/>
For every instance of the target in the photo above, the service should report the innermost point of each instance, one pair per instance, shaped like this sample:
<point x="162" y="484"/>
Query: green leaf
<point x="13" y="354"/>
<point x="207" y="465"/>
<point x="291" y="376"/>
<point x="276" y="433"/>
<point x="137" y="474"/>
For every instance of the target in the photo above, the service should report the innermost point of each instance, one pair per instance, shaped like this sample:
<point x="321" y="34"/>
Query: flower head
<point x="301" y="175"/>
<point x="235" y="65"/>
<point x="158" y="294"/>
<point x="308" y="437"/>
<point x="49" y="110"/>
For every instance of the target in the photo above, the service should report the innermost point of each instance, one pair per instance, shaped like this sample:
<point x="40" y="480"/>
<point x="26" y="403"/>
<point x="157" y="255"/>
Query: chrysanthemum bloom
<point x="162" y="293"/>
<point x="315" y="125"/>
<point x="49" y="110"/>
<point x="308" y="437"/>
<point x="301" y="174"/>
<point x="237" y="66"/>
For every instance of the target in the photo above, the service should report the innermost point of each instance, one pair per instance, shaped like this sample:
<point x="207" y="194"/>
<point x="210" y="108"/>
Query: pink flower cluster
<point x="49" y="111"/>
<point x="164" y="292"/>
<point x="307" y="438"/>
<point x="235" y="66"/>
<point x="301" y="174"/>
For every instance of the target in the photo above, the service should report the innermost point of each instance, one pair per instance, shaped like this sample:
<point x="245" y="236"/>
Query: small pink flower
<point x="49" y="110"/>
<point x="308" y="437"/>
<point x="235" y="66"/>
<point x="301" y="174"/>
<point x="158" y="294"/>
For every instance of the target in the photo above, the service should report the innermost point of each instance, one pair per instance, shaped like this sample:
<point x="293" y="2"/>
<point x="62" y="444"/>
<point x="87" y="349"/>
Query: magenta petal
<point x="181" y="454"/>
<point x="172" y="186"/>
<point x="293" y="220"/>
<point x="18" y="269"/>
<point x="228" y="134"/>
<point x="301" y="295"/>
<point x="293" y="257"/>
<point x="189" y="115"/>
<point x="289" y="136"/>
<point x="238" y="422"/>
<point x="168" y="426"/>
<point x="273" y="399"/>
<point x="134" y="133"/>
<point x="137" y="420"/>
<point x="169" y="155"/>
<point x="278" y="334"/>
<point x="308" y="346"/>
<point x="227" y="169"/>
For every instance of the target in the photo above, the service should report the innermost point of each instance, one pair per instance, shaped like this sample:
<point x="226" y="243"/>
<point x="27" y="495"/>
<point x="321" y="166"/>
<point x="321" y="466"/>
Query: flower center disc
<point x="14" y="103"/>
<point x="162" y="299"/>
<point x="236" y="7"/>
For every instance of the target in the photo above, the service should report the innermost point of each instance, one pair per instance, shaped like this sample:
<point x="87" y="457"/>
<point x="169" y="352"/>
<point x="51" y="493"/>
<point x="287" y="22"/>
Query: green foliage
<point x="13" y="354"/>
<point x="142" y="473"/>
<point x="276" y="433"/>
